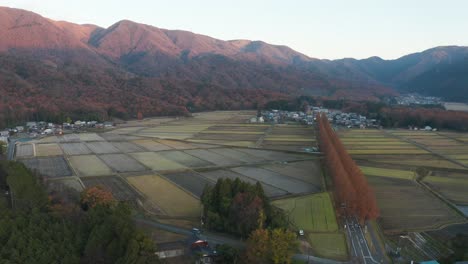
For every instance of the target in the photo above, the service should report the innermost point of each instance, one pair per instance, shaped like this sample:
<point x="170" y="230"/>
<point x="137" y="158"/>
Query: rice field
<point x="213" y="157"/>
<point x="102" y="147"/>
<point x="176" y="144"/>
<point x="75" y="148"/>
<point x="236" y="155"/>
<point x="329" y="245"/>
<point x="24" y="150"/>
<point x="308" y="171"/>
<point x="277" y="180"/>
<point x="392" y="173"/>
<point x="157" y="162"/>
<point x="386" y="151"/>
<point x="169" y="198"/>
<point x="51" y="149"/>
<point x="312" y="213"/>
<point x="151" y="145"/>
<point x="406" y="206"/>
<point x="189" y="181"/>
<point x="185" y="159"/>
<point x="52" y="167"/>
<point x="127" y="147"/>
<point x="454" y="189"/>
<point x="122" y="163"/>
<point x="89" y="165"/>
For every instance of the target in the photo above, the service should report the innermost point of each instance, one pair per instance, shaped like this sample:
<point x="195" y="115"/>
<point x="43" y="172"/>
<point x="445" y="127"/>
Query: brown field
<point x="165" y="195"/>
<point x="51" y="149"/>
<point x="405" y="206"/>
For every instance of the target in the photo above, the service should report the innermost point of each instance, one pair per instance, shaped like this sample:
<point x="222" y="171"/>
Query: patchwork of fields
<point x="407" y="200"/>
<point x="165" y="165"/>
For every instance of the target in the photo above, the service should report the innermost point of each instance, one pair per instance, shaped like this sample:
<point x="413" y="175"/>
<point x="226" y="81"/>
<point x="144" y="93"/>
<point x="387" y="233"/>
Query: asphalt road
<point x="360" y="250"/>
<point x="11" y="149"/>
<point x="214" y="239"/>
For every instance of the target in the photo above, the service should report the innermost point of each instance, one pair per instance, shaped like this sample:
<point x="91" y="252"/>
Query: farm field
<point x="329" y="245"/>
<point x="122" y="163"/>
<point x="185" y="159"/>
<point x="89" y="137"/>
<point x="406" y="206"/>
<point x="24" y="150"/>
<point x="176" y="144"/>
<point x="102" y="147"/>
<point x="392" y="173"/>
<point x="214" y="175"/>
<point x="308" y="171"/>
<point x="236" y="155"/>
<point x="118" y="187"/>
<point x="169" y="198"/>
<point x="213" y="157"/>
<point x="89" y="165"/>
<point x="151" y="145"/>
<point x="189" y="181"/>
<point x="127" y="147"/>
<point x="454" y="189"/>
<point x="312" y="213"/>
<point x="75" y="148"/>
<point x="415" y="161"/>
<point x="44" y="150"/>
<point x="277" y="180"/>
<point x="52" y="167"/>
<point x="157" y="162"/>
<point x="276" y="155"/>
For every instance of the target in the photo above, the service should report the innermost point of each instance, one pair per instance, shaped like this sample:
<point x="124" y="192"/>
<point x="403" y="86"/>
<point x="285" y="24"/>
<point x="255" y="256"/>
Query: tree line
<point x="351" y="190"/>
<point x="242" y="209"/>
<point x="46" y="228"/>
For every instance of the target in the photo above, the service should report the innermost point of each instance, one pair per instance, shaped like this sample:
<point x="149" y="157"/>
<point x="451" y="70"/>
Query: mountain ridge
<point x="131" y="67"/>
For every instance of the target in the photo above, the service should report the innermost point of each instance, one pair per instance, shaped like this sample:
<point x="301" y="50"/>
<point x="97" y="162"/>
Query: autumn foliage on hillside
<point x="351" y="187"/>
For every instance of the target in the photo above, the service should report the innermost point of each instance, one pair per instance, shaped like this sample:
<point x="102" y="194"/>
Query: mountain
<point x="52" y="69"/>
<point x="439" y="71"/>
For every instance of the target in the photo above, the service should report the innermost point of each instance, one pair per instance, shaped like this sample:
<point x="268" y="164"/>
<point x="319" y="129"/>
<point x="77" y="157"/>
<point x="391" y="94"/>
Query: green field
<point x="329" y="245"/>
<point x="313" y="213"/>
<point x="392" y="173"/>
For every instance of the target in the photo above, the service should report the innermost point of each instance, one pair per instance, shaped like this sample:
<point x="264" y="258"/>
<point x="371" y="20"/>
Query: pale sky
<point x="326" y="29"/>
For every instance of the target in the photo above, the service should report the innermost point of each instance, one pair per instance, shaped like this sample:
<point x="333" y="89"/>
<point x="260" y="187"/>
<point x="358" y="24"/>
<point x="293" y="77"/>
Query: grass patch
<point x="392" y="173"/>
<point x="314" y="213"/>
<point x="331" y="246"/>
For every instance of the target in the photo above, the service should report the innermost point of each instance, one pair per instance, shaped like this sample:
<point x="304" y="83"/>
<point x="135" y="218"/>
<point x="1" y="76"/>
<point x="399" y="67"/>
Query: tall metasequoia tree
<point x="351" y="186"/>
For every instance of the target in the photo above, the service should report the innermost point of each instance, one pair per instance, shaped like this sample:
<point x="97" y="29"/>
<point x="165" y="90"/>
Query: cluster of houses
<point x="416" y="99"/>
<point x="336" y="117"/>
<point x="34" y="129"/>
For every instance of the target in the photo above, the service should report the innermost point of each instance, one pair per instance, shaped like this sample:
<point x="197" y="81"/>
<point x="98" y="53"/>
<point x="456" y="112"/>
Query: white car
<point x="301" y="232"/>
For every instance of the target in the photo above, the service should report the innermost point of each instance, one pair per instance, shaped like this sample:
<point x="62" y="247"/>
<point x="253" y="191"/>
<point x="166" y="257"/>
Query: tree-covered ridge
<point x="37" y="230"/>
<point x="238" y="208"/>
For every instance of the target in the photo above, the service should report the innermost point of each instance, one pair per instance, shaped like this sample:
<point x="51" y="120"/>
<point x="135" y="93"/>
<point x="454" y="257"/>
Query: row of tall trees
<point x="351" y="188"/>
